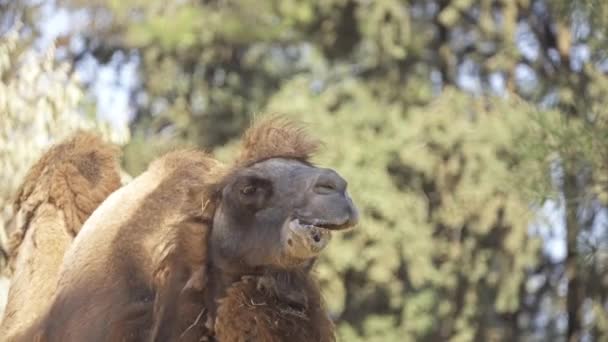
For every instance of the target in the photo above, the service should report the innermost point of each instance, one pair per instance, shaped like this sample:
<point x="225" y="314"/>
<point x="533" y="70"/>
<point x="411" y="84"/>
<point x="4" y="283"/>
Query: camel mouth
<point x="304" y="240"/>
<point x="314" y="229"/>
<point x="343" y="224"/>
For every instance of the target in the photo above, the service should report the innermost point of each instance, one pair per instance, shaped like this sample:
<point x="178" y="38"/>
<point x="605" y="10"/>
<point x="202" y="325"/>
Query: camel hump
<point x="75" y="176"/>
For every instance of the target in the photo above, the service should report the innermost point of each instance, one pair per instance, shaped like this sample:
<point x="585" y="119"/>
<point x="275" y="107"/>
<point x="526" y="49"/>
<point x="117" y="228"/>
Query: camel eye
<point x="249" y="190"/>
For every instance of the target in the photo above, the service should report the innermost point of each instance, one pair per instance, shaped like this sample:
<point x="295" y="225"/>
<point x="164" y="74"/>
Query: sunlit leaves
<point x="438" y="203"/>
<point x="39" y="102"/>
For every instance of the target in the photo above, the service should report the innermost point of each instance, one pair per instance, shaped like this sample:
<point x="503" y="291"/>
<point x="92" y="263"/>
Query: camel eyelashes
<point x="249" y="190"/>
<point x="325" y="189"/>
<point x="252" y="185"/>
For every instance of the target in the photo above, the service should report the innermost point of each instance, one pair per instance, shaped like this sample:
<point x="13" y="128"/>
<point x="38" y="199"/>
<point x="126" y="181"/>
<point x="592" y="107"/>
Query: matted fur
<point x="75" y="175"/>
<point x="249" y="313"/>
<point x="58" y="194"/>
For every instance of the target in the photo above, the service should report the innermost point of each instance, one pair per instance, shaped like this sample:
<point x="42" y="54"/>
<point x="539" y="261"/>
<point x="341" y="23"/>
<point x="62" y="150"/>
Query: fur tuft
<point x="249" y="313"/>
<point x="277" y="137"/>
<point x="60" y="191"/>
<point x="75" y="175"/>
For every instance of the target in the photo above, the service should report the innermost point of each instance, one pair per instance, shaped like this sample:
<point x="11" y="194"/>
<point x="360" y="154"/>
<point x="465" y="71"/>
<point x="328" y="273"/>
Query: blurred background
<point x="473" y="133"/>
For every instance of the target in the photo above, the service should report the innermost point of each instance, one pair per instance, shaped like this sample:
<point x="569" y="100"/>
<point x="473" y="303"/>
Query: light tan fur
<point x="131" y="252"/>
<point x="58" y="194"/>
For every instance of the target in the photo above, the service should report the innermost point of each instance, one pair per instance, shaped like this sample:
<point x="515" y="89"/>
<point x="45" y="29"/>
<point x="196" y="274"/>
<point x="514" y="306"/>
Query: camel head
<point x="276" y="210"/>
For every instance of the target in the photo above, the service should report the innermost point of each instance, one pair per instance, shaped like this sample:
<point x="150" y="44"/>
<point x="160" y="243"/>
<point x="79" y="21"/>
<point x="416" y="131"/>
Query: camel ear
<point x="208" y="208"/>
<point x="197" y="281"/>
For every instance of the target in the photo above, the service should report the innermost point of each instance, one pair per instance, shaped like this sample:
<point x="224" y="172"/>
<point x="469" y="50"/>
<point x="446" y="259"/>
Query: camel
<point x="58" y="194"/>
<point x="174" y="254"/>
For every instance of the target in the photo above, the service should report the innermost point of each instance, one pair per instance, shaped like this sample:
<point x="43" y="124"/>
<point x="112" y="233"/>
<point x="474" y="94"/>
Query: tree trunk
<point x="575" y="285"/>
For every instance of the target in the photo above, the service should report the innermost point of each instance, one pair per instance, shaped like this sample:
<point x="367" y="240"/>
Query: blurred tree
<point x="17" y="12"/>
<point x="39" y="101"/>
<point x="367" y="71"/>
<point x="574" y="151"/>
<point x="444" y="246"/>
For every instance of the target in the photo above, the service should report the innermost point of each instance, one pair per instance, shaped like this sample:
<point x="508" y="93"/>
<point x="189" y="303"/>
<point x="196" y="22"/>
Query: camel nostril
<point x="329" y="182"/>
<point x="325" y="188"/>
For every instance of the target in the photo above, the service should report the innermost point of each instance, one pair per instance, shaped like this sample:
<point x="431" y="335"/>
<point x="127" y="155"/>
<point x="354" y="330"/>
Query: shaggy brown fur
<point x="58" y="194"/>
<point x="140" y="268"/>
<point x="252" y="312"/>
<point x="126" y="273"/>
<point x="276" y="137"/>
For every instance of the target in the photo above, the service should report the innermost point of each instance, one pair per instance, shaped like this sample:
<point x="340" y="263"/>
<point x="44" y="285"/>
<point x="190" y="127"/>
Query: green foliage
<point x="444" y="232"/>
<point x="448" y="176"/>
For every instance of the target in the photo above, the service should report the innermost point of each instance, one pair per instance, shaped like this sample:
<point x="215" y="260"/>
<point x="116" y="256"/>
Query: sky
<point x="110" y="85"/>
